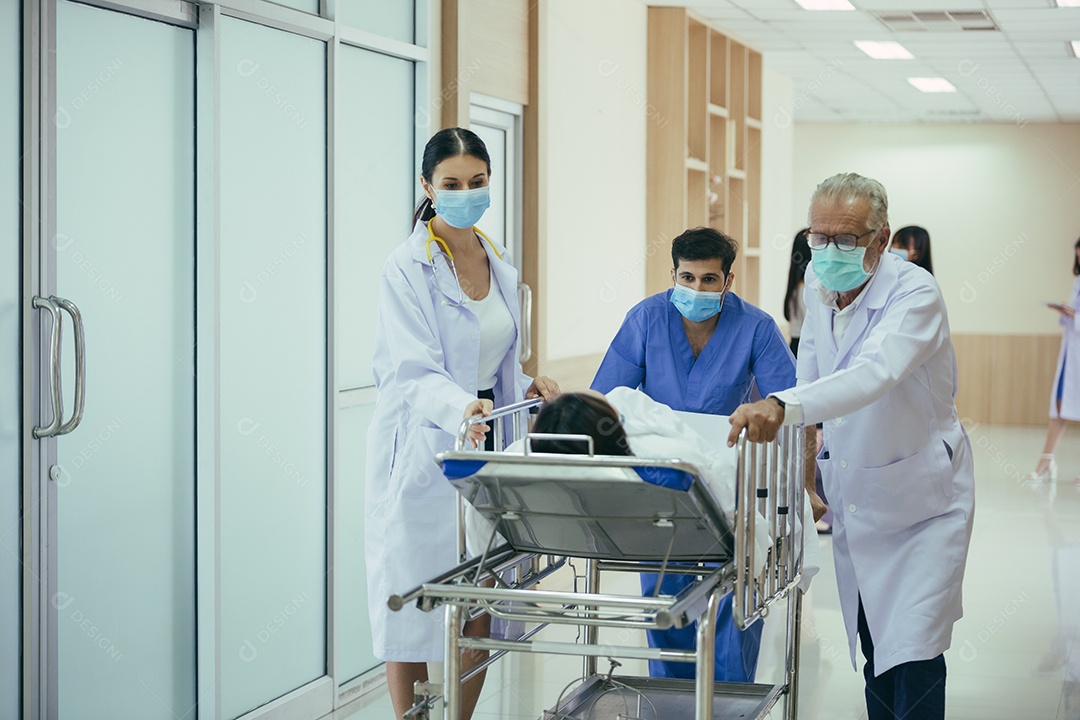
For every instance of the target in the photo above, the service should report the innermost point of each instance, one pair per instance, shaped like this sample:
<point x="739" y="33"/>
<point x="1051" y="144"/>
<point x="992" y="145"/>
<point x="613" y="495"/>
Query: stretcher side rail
<point x="572" y="608"/>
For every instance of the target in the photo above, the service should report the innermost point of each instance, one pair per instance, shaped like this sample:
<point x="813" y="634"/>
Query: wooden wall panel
<point x="534" y="172"/>
<point x="1005" y="379"/>
<point x="497" y="49"/>
<point x="666" y="153"/>
<point x="1023" y="373"/>
<point x="973" y="365"/>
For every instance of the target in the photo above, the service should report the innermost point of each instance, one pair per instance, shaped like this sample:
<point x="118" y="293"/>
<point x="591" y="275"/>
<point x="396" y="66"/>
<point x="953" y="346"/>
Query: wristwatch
<point x="781" y="403"/>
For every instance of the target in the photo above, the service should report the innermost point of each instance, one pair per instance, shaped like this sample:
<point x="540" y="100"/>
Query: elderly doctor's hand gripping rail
<point x="624" y="514"/>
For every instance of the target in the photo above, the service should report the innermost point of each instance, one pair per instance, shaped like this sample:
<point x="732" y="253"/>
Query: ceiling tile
<point x="1023" y="70"/>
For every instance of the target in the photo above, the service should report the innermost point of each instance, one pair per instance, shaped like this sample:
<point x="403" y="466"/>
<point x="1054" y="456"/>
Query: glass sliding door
<point x="273" y="398"/>
<point x="375" y="188"/>
<point x="10" y="362"/>
<point x="123" y="253"/>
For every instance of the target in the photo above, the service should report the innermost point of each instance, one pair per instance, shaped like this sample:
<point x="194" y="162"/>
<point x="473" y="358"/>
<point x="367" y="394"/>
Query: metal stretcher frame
<point x="769" y="479"/>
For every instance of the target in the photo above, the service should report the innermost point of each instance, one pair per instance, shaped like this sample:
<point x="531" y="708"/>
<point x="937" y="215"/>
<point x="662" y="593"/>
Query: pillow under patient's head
<point x="580" y="414"/>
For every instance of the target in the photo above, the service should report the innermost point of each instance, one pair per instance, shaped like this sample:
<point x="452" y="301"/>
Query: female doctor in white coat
<point x="1065" y="397"/>
<point x="446" y="347"/>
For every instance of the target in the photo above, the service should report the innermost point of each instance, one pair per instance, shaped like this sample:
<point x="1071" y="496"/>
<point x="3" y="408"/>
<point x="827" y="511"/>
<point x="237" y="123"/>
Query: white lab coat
<point x="1070" y="345"/>
<point x="426" y="365"/>
<point x="903" y="509"/>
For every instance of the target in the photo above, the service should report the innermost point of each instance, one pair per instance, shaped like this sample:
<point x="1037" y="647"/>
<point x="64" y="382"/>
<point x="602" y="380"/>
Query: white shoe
<point x="1049" y="473"/>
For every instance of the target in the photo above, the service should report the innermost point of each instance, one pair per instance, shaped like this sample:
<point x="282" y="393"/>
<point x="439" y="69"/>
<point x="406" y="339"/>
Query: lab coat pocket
<point x="902" y="493"/>
<point x="420" y="473"/>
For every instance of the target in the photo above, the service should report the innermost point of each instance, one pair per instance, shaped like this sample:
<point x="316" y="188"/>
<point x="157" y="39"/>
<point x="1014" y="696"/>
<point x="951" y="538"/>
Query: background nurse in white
<point x="446" y="347"/>
<point x="1065" y="398"/>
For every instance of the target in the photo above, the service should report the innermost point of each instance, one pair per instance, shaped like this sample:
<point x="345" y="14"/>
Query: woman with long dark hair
<point x="1065" y="397"/>
<point x="446" y="347"/>
<point x="794" y="308"/>
<point x="913" y="244"/>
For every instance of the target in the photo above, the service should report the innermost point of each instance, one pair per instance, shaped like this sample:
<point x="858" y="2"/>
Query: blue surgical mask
<point x="462" y="208"/>
<point x="839" y="270"/>
<point x="903" y="254"/>
<point x="696" y="306"/>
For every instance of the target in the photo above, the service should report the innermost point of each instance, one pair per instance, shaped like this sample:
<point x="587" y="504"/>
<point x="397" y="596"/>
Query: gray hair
<point x="848" y="188"/>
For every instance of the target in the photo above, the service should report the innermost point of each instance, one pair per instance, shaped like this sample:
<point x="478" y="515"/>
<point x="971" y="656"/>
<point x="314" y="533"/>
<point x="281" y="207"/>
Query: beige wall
<point x="778" y="221"/>
<point x="593" y="134"/>
<point x="1001" y="202"/>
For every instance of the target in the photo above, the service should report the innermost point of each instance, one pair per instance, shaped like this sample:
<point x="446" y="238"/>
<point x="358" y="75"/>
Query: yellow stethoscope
<point x="448" y="259"/>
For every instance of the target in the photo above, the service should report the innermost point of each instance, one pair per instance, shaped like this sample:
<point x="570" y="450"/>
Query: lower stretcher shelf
<point x="634" y="698"/>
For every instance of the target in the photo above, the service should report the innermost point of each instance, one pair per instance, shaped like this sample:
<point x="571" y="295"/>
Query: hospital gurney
<point x="622" y="514"/>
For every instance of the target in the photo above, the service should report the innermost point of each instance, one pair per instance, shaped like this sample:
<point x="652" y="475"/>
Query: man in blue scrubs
<point x="698" y="347"/>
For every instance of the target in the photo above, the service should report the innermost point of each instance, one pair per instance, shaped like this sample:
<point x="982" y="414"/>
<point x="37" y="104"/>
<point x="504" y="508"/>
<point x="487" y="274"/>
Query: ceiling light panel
<point x="887" y="50"/>
<point x="825" y="4"/>
<point x="932" y="84"/>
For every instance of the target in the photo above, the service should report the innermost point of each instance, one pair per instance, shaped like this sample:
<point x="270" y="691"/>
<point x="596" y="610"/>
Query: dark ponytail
<point x="447" y="143"/>
<point x="800" y="258"/>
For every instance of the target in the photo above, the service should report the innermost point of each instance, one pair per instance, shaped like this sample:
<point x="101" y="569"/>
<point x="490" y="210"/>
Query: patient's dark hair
<point x="580" y="414"/>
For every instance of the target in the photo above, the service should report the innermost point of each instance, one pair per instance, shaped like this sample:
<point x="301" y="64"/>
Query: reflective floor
<point x="1015" y="653"/>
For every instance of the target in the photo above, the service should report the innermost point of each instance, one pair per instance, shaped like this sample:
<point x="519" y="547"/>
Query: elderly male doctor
<point x="875" y="357"/>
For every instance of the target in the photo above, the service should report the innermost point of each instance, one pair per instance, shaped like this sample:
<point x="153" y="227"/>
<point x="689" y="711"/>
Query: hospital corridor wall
<point x="195" y="202"/>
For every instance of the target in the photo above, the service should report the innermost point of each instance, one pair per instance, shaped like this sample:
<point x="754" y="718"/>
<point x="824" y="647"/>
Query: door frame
<point x="509" y="117"/>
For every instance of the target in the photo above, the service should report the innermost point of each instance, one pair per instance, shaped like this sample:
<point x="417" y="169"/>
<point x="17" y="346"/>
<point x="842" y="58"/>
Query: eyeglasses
<point x="843" y="241"/>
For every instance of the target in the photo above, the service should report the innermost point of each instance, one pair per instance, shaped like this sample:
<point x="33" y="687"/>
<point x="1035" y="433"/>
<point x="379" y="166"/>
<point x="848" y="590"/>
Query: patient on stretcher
<point x="628" y="422"/>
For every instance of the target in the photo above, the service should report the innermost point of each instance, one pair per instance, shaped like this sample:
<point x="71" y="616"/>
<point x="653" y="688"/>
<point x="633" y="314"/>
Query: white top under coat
<point x="497" y="333"/>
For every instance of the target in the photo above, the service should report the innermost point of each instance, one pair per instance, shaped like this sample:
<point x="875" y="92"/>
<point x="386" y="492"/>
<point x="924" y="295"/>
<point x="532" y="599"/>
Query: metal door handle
<point x="41" y="431"/>
<point x="525" y="303"/>
<point x="54" y="305"/>
<point x="80" y="364"/>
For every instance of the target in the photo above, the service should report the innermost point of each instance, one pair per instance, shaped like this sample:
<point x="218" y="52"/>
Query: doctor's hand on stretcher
<point x="761" y="420"/>
<point x="544" y="387"/>
<point x="478" y="432"/>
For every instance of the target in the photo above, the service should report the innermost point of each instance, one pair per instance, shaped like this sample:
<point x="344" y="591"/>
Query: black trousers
<point x="489" y="441"/>
<point x="911" y="691"/>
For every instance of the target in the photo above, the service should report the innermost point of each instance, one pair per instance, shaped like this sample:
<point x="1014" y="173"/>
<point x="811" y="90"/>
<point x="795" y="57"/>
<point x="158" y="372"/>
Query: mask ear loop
<point x="723" y="298"/>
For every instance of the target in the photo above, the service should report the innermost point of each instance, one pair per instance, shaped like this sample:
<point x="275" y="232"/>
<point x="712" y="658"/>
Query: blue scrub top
<point x="651" y="352"/>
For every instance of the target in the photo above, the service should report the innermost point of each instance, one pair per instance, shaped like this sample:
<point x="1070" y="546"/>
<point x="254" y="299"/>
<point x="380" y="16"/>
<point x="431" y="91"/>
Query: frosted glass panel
<point x="389" y="18"/>
<point x="273" y="364"/>
<point x="124" y="252"/>
<point x="353" y="629"/>
<point x="377" y="188"/>
<point x="10" y="475"/>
